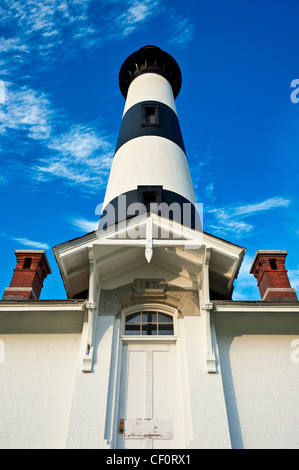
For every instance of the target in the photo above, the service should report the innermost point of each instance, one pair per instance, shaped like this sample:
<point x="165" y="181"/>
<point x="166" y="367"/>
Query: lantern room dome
<point x="150" y="59"/>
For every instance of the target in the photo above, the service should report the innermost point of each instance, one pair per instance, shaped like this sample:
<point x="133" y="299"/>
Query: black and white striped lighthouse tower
<point x="150" y="166"/>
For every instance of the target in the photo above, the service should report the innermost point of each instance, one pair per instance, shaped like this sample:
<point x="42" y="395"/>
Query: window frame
<point x="145" y="190"/>
<point x="149" y="323"/>
<point x="152" y="307"/>
<point x="144" y="122"/>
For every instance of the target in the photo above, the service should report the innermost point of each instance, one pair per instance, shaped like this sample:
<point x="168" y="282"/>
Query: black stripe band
<point x="164" y="123"/>
<point x="170" y="205"/>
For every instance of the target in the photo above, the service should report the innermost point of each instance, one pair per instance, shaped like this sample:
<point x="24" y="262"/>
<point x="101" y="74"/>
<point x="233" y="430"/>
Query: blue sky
<point x="61" y="108"/>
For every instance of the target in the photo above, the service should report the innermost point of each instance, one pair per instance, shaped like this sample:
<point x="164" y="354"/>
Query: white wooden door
<point x="149" y="400"/>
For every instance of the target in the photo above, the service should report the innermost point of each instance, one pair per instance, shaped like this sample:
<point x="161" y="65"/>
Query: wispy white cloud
<point x="84" y="225"/>
<point x="30" y="243"/>
<point x="47" y="20"/>
<point x="25" y="109"/>
<point x="224" y="225"/>
<point x="78" y="154"/>
<point x="12" y="44"/>
<point x="182" y="30"/>
<point x="81" y="156"/>
<point x="137" y="13"/>
<point x="209" y="191"/>
<point x="271" y="203"/>
<point x="54" y="168"/>
<point x="59" y="26"/>
<point x="126" y="17"/>
<point x="13" y="53"/>
<point x="80" y="142"/>
<point x="229" y="220"/>
<point x="207" y="163"/>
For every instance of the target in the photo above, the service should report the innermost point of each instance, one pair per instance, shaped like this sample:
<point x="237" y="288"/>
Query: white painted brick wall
<point x="261" y="382"/>
<point x="37" y="380"/>
<point x="209" y="420"/>
<point x="89" y="406"/>
<point x="46" y="401"/>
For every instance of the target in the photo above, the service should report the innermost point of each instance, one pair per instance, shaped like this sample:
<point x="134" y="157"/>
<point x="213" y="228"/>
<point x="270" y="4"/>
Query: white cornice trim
<point x="254" y="307"/>
<point x="41" y="307"/>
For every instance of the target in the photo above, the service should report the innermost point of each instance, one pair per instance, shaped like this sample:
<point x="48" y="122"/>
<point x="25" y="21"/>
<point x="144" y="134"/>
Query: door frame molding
<point x="127" y="339"/>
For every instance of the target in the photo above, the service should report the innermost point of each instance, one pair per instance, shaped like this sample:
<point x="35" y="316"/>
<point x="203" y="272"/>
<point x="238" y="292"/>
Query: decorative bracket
<point x="149" y="240"/>
<point x="91" y="307"/>
<point x="206" y="306"/>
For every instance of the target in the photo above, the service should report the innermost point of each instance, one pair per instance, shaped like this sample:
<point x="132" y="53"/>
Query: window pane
<point x="149" y="330"/>
<point x="149" y="323"/>
<point x="150" y="115"/>
<point x="149" y="317"/>
<point x="134" y="318"/>
<point x="165" y="318"/>
<point x="132" y="329"/>
<point x="165" y="329"/>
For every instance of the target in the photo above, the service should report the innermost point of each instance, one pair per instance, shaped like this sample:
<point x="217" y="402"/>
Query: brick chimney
<point x="268" y="268"/>
<point x="27" y="281"/>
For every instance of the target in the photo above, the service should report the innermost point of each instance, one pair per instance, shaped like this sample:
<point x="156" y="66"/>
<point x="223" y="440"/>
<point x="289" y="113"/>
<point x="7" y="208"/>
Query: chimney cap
<point x="150" y="59"/>
<point x="33" y="252"/>
<point x="270" y="253"/>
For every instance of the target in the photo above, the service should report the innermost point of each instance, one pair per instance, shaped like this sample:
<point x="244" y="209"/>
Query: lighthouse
<point x="150" y="169"/>
<point x="148" y="350"/>
<point x="148" y="275"/>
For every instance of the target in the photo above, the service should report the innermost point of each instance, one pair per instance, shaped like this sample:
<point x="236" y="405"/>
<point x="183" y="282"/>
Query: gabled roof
<point x="148" y="246"/>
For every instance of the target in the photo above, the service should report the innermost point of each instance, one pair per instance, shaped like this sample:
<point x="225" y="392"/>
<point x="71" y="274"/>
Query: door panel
<point x="136" y="388"/>
<point x="161" y="397"/>
<point x="148" y="397"/>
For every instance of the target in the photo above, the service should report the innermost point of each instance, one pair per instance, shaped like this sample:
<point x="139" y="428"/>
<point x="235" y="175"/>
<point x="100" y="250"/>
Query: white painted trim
<point x="239" y="307"/>
<point x="22" y="307"/>
<point x="190" y="240"/>
<point x="149" y="306"/>
<point x="92" y="309"/>
<point x="205" y="307"/>
<point x="148" y="339"/>
<point x="149" y="240"/>
<point x="115" y="390"/>
<point x="178" y="411"/>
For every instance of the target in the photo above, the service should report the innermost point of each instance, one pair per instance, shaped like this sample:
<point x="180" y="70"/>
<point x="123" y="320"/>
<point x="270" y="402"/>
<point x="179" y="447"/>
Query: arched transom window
<point x="149" y="323"/>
